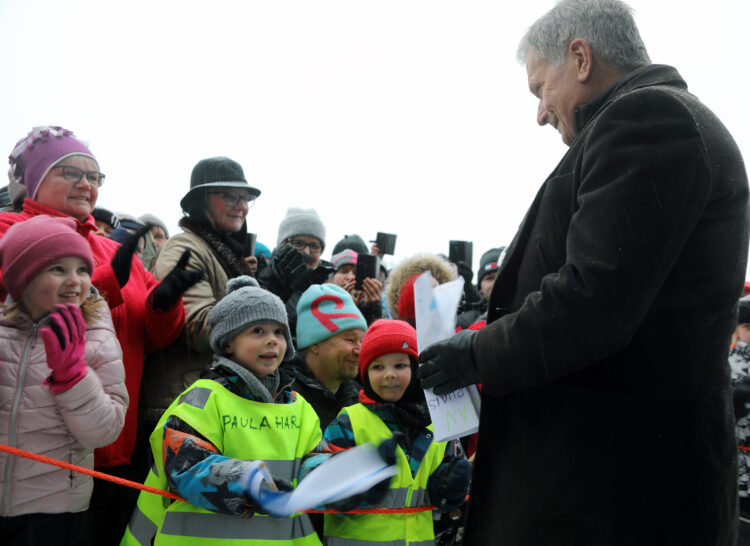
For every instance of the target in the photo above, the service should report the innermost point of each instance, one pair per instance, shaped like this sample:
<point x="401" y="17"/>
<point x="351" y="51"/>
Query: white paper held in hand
<point x="348" y="473"/>
<point x="456" y="414"/>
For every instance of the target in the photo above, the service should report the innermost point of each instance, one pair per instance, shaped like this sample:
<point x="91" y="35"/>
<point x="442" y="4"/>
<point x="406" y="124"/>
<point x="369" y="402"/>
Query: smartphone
<point x="250" y="244"/>
<point x="386" y="243"/>
<point x="461" y="251"/>
<point x="367" y="267"/>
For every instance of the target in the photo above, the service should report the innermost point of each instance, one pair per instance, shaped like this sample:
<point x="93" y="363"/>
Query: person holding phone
<point x="367" y="294"/>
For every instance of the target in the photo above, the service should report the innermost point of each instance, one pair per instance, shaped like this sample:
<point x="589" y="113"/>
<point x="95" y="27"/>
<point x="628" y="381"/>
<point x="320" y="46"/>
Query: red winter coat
<point x="139" y="328"/>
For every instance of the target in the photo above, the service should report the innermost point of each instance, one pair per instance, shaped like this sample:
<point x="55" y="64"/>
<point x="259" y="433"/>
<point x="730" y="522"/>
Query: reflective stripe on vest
<point x="333" y="541"/>
<point x="405" y="491"/>
<point x="142" y="528"/>
<point x="279" y="434"/>
<point x="207" y="525"/>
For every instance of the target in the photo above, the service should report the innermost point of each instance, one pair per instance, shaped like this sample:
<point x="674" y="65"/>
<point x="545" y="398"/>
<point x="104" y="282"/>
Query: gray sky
<point x="409" y="117"/>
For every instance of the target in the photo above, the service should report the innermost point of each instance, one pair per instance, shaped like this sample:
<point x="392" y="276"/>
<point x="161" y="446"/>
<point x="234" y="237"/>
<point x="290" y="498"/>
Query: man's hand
<point x="448" y="365"/>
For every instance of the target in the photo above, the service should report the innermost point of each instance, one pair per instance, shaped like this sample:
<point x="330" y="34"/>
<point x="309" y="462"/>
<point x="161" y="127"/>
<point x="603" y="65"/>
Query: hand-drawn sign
<point x="325" y="318"/>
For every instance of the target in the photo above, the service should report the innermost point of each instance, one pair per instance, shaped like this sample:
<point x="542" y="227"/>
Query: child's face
<point x="259" y="348"/>
<point x="390" y="375"/>
<point x="66" y="280"/>
<point x="743" y="332"/>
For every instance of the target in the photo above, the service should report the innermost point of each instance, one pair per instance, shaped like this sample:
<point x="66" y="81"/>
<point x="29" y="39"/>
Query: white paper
<point x="348" y="473"/>
<point x="456" y="414"/>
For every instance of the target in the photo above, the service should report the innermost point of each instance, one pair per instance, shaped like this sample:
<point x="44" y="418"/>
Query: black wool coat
<point x="606" y="406"/>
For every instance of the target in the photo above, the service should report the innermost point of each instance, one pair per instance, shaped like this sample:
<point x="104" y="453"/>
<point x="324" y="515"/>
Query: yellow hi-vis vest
<point x="280" y="434"/>
<point x="396" y="529"/>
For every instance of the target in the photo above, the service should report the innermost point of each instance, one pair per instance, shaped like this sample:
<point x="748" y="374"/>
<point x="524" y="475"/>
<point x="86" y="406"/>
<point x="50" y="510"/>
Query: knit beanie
<point x="29" y="246"/>
<point x="262" y="250"/>
<point x="323" y="311"/>
<point x="489" y="262"/>
<point x="383" y="337"/>
<point x="39" y="151"/>
<point x="149" y="218"/>
<point x="299" y="221"/>
<point x="351" y="242"/>
<point x="744" y="311"/>
<point x="344" y="257"/>
<point x="406" y="299"/>
<point x="244" y="305"/>
<point x="108" y="217"/>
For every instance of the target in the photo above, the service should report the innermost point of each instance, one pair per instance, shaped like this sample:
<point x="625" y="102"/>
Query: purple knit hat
<point x="40" y="150"/>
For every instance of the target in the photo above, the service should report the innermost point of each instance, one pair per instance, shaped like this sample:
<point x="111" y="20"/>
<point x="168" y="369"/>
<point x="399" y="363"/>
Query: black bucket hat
<point x="216" y="172"/>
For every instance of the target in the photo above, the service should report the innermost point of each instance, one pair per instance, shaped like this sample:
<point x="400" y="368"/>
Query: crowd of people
<point x="608" y="340"/>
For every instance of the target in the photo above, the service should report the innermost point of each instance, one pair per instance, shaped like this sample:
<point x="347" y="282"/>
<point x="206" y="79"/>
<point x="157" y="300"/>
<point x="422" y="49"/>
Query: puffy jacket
<point x="139" y="327"/>
<point x="66" y="426"/>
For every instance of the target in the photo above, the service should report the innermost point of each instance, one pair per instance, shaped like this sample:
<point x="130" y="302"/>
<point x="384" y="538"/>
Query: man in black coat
<point x="606" y="406"/>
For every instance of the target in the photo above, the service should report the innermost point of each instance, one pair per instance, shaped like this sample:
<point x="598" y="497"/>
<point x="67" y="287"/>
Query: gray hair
<point x="607" y="25"/>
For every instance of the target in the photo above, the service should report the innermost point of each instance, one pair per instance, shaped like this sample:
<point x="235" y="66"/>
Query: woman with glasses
<point x="215" y="233"/>
<point x="62" y="178"/>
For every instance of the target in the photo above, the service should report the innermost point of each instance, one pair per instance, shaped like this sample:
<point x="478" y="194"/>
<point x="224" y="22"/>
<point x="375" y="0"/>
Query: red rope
<point x="136" y="485"/>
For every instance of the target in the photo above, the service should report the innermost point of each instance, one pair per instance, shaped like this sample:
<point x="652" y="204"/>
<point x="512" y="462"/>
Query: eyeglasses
<point x="299" y="244"/>
<point x="233" y="199"/>
<point x="74" y="174"/>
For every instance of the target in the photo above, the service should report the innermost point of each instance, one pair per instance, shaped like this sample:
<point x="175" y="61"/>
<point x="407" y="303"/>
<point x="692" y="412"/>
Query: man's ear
<point x="314" y="349"/>
<point x="228" y="348"/>
<point x="583" y="57"/>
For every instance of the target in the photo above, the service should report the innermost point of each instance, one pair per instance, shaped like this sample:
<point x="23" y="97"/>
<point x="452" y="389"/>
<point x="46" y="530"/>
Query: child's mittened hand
<point x="65" y="344"/>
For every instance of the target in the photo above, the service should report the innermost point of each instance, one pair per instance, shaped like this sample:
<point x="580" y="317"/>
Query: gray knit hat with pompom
<point x="244" y="305"/>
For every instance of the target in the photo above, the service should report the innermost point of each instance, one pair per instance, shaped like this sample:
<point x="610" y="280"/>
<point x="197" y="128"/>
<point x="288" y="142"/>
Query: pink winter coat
<point x="67" y="426"/>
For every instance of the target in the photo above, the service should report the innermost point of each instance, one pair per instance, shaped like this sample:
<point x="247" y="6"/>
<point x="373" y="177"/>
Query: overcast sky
<point x="408" y="117"/>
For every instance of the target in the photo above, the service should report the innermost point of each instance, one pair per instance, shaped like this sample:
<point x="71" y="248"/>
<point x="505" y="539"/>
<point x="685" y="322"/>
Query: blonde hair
<point x="91" y="309"/>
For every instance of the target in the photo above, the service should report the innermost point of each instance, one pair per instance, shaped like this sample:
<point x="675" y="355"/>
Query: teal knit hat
<point x="323" y="311"/>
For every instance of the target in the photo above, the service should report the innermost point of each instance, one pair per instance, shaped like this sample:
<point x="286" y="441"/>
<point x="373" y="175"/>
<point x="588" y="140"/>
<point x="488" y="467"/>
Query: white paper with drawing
<point x="456" y="414"/>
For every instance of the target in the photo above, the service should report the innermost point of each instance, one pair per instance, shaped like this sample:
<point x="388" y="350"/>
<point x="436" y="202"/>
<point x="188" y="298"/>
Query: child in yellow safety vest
<point x="242" y="410"/>
<point x="392" y="405"/>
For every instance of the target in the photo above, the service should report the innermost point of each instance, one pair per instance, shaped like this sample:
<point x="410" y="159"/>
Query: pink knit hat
<point x="386" y="336"/>
<point x="27" y="247"/>
<point x="39" y="151"/>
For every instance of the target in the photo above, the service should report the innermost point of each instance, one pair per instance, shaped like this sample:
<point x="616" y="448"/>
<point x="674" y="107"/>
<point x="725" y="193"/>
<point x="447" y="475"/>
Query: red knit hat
<point x="406" y="298"/>
<point x="27" y="247"/>
<point x="386" y="336"/>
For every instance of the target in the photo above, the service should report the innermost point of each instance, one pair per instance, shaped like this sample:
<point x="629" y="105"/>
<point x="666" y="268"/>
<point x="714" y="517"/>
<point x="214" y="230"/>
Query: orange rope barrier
<point x="82" y="470"/>
<point x="136" y="485"/>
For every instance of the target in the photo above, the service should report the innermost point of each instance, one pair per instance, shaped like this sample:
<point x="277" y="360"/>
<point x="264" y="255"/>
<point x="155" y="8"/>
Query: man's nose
<point x="541" y="113"/>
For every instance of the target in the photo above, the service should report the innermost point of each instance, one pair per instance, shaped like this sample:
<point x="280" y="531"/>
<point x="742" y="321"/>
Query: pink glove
<point x="65" y="343"/>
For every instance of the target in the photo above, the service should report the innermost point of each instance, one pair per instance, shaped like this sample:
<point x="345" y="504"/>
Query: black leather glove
<point x="173" y="286"/>
<point x="123" y="258"/>
<point x="448" y="365"/>
<point x="449" y="484"/>
<point x="290" y="265"/>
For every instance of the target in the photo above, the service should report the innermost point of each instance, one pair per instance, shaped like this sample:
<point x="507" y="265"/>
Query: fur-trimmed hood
<point x="441" y="271"/>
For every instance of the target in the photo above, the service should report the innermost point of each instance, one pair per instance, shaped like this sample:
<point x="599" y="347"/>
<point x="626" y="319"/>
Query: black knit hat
<point x="216" y="172"/>
<point x="744" y="314"/>
<point x="489" y="262"/>
<point x="108" y="217"/>
<point x="351" y="242"/>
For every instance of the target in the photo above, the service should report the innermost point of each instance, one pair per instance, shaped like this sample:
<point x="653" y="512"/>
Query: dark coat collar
<point x="646" y="76"/>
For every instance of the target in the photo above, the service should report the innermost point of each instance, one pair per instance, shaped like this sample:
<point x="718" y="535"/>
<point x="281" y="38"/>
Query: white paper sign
<point x="456" y="414"/>
<point x="348" y="473"/>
